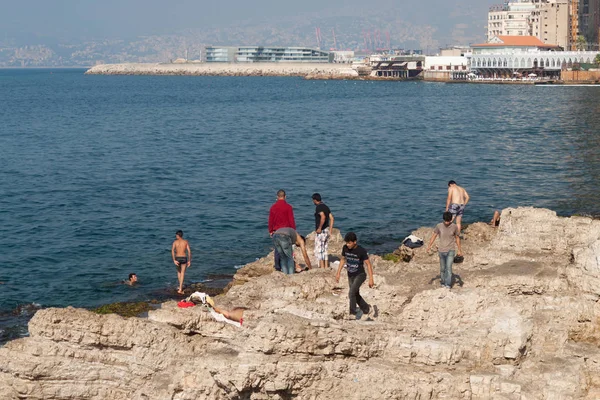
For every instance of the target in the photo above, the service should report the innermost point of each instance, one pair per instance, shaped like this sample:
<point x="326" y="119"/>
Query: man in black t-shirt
<point x="354" y="259"/>
<point x="323" y="227"/>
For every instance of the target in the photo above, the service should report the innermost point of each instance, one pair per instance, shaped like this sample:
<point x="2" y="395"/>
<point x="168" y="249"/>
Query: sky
<point x="51" y="22"/>
<point x="79" y="19"/>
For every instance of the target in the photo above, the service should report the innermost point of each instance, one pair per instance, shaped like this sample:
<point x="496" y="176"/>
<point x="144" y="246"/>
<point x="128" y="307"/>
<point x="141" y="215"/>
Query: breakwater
<point x="226" y="69"/>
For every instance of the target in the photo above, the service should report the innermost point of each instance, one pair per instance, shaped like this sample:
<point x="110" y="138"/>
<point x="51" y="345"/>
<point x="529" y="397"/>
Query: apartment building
<point x="510" y="19"/>
<point x="550" y="23"/>
<point x="589" y="22"/>
<point x="548" y="20"/>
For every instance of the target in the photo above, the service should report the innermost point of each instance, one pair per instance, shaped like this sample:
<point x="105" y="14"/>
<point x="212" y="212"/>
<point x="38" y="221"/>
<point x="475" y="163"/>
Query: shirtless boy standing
<point x="182" y="257"/>
<point x="456" y="202"/>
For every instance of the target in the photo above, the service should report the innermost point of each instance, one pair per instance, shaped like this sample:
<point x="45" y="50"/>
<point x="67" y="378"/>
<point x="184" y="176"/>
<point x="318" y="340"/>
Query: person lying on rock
<point x="449" y="240"/>
<point x="354" y="258"/>
<point x="235" y="314"/>
<point x="283" y="240"/>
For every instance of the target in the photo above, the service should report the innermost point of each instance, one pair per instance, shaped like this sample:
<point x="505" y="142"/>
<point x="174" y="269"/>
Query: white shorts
<point x="321" y="241"/>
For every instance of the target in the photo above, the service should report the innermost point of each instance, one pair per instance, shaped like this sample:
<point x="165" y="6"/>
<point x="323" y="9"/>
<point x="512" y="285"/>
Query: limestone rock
<point x="521" y="322"/>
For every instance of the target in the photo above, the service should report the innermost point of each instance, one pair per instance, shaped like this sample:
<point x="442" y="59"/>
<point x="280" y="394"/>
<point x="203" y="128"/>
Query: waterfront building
<point x="343" y="56"/>
<point x="445" y="68"/>
<point x="254" y="54"/>
<point x="220" y="54"/>
<point x="505" y="56"/>
<point x="398" y="68"/>
<point x="455" y="51"/>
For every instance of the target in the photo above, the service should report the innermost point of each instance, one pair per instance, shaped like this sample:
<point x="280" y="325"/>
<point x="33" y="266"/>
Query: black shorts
<point x="181" y="260"/>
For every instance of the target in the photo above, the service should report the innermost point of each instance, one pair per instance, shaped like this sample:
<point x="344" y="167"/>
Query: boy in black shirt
<point x="354" y="258"/>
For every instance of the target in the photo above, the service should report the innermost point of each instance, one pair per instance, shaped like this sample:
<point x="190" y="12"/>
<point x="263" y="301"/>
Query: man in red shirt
<point x="281" y="215"/>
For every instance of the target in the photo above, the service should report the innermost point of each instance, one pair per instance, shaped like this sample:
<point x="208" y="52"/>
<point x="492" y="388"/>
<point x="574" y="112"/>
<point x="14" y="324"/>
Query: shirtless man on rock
<point x="456" y="202"/>
<point x="182" y="257"/>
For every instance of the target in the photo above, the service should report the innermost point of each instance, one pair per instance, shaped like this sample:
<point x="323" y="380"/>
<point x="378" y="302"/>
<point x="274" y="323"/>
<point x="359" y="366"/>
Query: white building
<point x="444" y="68"/>
<point x="510" y="19"/>
<point x="548" y="20"/>
<point x="505" y="56"/>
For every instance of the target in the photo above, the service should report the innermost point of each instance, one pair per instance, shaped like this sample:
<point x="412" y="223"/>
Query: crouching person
<point x="283" y="240"/>
<point x="354" y="258"/>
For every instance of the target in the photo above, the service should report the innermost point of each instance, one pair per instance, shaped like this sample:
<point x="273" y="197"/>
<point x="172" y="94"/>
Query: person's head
<point x="447" y="217"/>
<point x="281" y="194"/>
<point x="350" y="240"/>
<point x="450" y="183"/>
<point x="132" y="277"/>
<point x="179" y="234"/>
<point x="316" y="198"/>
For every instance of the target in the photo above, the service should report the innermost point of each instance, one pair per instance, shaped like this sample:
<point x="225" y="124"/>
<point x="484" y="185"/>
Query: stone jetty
<point x="335" y="71"/>
<point x="522" y="322"/>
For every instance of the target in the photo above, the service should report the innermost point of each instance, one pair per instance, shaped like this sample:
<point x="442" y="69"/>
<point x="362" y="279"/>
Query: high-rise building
<point x="574" y="21"/>
<point x="548" y="20"/>
<point x="510" y="19"/>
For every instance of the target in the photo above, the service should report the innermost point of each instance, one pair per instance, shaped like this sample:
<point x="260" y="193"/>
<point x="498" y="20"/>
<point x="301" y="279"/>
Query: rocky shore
<point x="521" y="323"/>
<point x="226" y="69"/>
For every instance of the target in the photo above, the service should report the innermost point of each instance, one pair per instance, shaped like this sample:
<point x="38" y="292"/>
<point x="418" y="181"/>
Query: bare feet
<point x="180" y="291"/>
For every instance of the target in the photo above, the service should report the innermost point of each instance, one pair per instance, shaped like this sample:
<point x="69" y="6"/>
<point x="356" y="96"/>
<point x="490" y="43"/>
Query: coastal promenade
<point x="225" y="69"/>
<point x="520" y="323"/>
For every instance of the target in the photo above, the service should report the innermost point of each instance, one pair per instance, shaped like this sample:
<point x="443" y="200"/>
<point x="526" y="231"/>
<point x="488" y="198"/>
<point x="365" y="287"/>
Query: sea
<point x="97" y="173"/>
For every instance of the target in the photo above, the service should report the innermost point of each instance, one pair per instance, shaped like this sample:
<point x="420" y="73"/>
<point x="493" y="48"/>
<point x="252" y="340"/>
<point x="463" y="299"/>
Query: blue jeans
<point x="283" y="245"/>
<point x="446" y="260"/>
<point x="277" y="259"/>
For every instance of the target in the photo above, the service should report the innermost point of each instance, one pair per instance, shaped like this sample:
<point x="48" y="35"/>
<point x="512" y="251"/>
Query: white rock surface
<point x="521" y="323"/>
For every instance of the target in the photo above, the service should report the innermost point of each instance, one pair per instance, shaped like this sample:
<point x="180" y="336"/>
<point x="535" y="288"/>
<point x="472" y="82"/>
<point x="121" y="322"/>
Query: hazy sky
<point x="71" y="19"/>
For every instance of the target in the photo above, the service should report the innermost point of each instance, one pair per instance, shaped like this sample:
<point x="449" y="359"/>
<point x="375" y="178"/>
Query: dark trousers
<point x="354" y="283"/>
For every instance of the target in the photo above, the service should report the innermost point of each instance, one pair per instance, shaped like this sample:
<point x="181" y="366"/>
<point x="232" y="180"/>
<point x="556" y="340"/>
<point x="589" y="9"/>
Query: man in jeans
<point x="281" y="215"/>
<point x="449" y="240"/>
<point x="354" y="258"/>
<point x="283" y="239"/>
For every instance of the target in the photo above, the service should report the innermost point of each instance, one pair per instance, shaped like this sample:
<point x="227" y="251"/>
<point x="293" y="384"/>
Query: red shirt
<point x="281" y="215"/>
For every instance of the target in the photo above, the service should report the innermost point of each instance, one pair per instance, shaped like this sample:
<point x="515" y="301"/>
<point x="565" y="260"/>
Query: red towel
<point x="185" y="304"/>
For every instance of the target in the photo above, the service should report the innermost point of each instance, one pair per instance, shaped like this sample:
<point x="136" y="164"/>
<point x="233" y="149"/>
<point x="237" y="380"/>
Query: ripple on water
<point x="129" y="161"/>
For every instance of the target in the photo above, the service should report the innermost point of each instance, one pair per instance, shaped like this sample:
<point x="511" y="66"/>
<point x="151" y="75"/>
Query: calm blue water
<point x="98" y="172"/>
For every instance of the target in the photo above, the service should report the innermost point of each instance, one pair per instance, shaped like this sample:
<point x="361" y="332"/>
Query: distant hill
<point x="462" y="22"/>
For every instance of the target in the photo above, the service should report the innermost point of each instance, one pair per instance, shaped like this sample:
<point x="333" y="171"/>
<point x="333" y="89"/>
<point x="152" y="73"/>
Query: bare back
<point x="180" y="247"/>
<point x="457" y="195"/>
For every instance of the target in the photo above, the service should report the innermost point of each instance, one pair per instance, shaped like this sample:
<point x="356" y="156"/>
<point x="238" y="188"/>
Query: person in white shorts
<point x="324" y="227"/>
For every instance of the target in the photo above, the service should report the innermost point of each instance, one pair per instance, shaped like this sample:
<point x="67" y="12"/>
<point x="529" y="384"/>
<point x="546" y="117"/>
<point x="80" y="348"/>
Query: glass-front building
<point x="220" y="54"/>
<point x="257" y="54"/>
